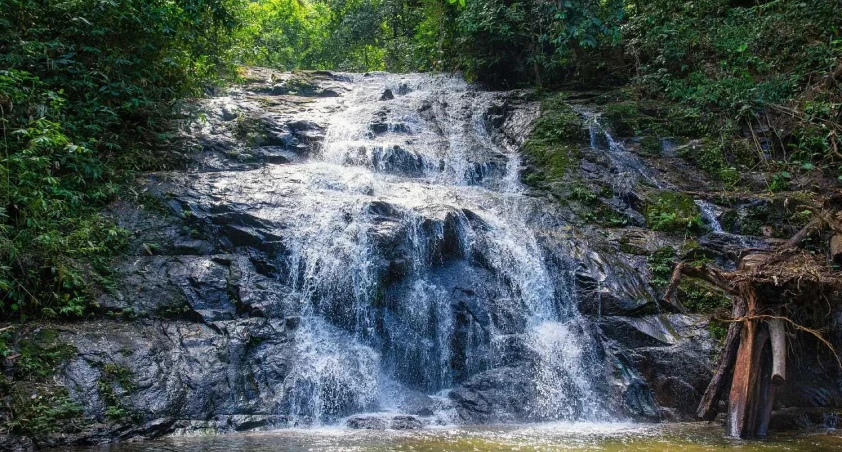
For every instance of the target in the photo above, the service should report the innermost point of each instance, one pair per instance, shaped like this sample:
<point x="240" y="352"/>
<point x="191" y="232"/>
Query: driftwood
<point x="754" y="353"/>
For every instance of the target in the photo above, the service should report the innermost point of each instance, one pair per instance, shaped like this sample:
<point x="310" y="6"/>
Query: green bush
<point x="40" y="354"/>
<point x="661" y="264"/>
<point x="41" y="411"/>
<point x="702" y="298"/>
<point x="717" y="55"/>
<point x="673" y="212"/>
<point x="31" y="402"/>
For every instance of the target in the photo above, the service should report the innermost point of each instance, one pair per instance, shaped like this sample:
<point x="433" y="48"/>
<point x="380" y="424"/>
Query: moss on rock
<point x="555" y="141"/>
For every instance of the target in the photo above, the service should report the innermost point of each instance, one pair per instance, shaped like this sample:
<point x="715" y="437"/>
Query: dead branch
<point x="803" y="233"/>
<point x="713" y="275"/>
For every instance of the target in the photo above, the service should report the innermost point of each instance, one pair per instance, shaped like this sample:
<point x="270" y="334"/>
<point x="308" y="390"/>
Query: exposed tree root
<point x="754" y="351"/>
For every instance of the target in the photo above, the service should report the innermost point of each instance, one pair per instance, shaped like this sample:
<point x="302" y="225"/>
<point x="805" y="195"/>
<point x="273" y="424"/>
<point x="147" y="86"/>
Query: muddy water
<point x="524" y="438"/>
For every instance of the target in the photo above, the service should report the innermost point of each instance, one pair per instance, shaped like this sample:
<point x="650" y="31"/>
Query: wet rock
<point x="496" y="395"/>
<point x="387" y="95"/>
<point x="179" y="369"/>
<point x="673" y="354"/>
<point x="16" y="443"/>
<point x="417" y="403"/>
<point x="366" y="423"/>
<point x="608" y="285"/>
<point x="396" y="159"/>
<point x="252" y="422"/>
<point x="185" y="246"/>
<point x="635" y="332"/>
<point x="229" y="112"/>
<point x="277" y="155"/>
<point x="405" y="423"/>
<point x="806" y="419"/>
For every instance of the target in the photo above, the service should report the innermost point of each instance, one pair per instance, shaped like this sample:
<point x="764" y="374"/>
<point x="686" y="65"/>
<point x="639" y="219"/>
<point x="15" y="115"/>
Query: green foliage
<point x="555" y="141"/>
<point x="583" y="193"/>
<point x="503" y="43"/>
<point x="784" y="216"/>
<point x="717" y="329"/>
<point x="281" y="34"/>
<point x="661" y="263"/>
<point x="506" y="43"/>
<point x="40" y="355"/>
<point x="32" y="403"/>
<point x="721" y="55"/>
<point x="711" y="158"/>
<point x="83" y="102"/>
<point x="39" y="411"/>
<point x="673" y="212"/>
<point x="702" y="298"/>
<point x="734" y="63"/>
<point x="115" y="380"/>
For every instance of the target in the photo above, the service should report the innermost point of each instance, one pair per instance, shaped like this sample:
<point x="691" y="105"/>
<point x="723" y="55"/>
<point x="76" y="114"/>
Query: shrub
<point x="661" y="264"/>
<point x="673" y="212"/>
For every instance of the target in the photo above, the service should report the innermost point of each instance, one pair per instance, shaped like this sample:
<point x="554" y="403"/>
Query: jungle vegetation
<point x="90" y="91"/>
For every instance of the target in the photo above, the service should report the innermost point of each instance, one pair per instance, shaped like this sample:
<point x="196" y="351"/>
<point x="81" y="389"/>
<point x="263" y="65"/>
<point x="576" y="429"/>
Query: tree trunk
<point x="750" y="401"/>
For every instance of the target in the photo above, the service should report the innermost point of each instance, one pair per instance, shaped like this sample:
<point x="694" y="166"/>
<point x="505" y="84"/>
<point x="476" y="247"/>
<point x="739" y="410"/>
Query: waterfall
<point x="411" y="260"/>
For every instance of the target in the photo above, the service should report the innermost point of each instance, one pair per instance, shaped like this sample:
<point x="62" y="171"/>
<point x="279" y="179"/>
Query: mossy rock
<point x="623" y="118"/>
<point x="555" y="142"/>
<point x="605" y="216"/>
<point x="661" y="264"/>
<point x="35" y="405"/>
<point x="40" y="355"/>
<point x="741" y="152"/>
<point x="632" y="118"/>
<point x="40" y="410"/>
<point x="729" y="219"/>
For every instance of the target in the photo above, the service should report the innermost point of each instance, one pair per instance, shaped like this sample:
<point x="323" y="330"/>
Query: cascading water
<point x="411" y="260"/>
<point x="709" y="214"/>
<point x="630" y="166"/>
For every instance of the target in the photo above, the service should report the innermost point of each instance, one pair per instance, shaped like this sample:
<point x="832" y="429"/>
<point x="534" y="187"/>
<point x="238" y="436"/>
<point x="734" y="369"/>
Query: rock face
<point x="347" y="244"/>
